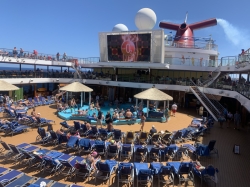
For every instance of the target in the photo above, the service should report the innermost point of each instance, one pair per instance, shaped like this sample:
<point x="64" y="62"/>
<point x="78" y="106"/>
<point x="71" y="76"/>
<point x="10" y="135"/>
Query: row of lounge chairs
<point x="66" y="165"/>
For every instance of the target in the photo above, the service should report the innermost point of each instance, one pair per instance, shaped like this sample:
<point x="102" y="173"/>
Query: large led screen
<point x="129" y="47"/>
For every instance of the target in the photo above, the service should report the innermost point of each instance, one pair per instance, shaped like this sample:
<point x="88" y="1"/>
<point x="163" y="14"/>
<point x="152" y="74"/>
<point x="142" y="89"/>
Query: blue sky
<point x="72" y="26"/>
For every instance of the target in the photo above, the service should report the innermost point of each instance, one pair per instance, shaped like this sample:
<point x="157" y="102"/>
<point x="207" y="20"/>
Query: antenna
<point x="186" y="18"/>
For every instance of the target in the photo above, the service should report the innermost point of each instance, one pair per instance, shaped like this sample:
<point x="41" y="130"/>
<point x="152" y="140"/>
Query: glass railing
<point x="197" y="45"/>
<point x="47" y="57"/>
<point x="191" y="62"/>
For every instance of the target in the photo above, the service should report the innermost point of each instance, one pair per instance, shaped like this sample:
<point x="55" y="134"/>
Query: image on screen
<point x="129" y="47"/>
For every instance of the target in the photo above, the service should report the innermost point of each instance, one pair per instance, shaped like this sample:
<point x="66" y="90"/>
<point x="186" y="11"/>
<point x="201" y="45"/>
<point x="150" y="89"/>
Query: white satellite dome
<point x="120" y="27"/>
<point x="145" y="19"/>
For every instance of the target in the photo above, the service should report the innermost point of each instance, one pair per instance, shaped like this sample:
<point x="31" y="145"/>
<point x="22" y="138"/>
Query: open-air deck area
<point x="233" y="168"/>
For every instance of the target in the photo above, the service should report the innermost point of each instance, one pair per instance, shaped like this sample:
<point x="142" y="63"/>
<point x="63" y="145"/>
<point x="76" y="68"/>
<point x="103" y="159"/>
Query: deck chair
<point x="143" y="138"/>
<point x="44" y="121"/>
<point x="40" y="180"/>
<point x="50" y="99"/>
<point x="103" y="134"/>
<point x="9" y="177"/>
<point x="125" y="173"/>
<point x="3" y="170"/>
<point x="117" y="135"/>
<point x="44" y="101"/>
<point x="182" y="151"/>
<point x="105" y="170"/>
<point x="140" y="153"/>
<point x="37" y="102"/>
<point x="84" y="145"/>
<point x="155" y="154"/>
<point x="170" y="151"/>
<point x="12" y="129"/>
<point x="183" y="170"/>
<point x="176" y="137"/>
<point x="65" y="126"/>
<point x="186" y="135"/>
<point x="209" y="174"/>
<point x="206" y="150"/>
<point x="50" y="162"/>
<point x="72" y="143"/>
<point x="163" y="173"/>
<point x="100" y="147"/>
<point x="58" y="184"/>
<point x="77" y="125"/>
<point x="42" y="136"/>
<point x="112" y="151"/>
<point x="83" y="130"/>
<point x="6" y="150"/>
<point x="21" y="181"/>
<point x="53" y="138"/>
<point x="143" y="174"/>
<point x="130" y="137"/>
<point x="83" y="169"/>
<point x="93" y="133"/>
<point x="17" y="154"/>
<point x="166" y="137"/>
<point x="68" y="167"/>
<point x="126" y="151"/>
<point x="154" y="138"/>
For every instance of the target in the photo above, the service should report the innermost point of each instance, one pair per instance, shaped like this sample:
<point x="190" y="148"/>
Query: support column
<point x="147" y="107"/>
<point x="67" y="97"/>
<point x="61" y="69"/>
<point x="84" y="96"/>
<point x="248" y="77"/>
<point x="68" y="69"/>
<point x="89" y="98"/>
<point x="81" y="99"/>
<point x="20" y="67"/>
<point x="116" y="74"/>
<point x="164" y="106"/>
<point x="168" y="104"/>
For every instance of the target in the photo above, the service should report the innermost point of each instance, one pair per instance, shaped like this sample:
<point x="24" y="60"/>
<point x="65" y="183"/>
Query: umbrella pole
<point x="147" y="107"/>
<point x="67" y="97"/>
<point x="81" y="99"/>
<point x="84" y="97"/>
<point x="168" y="104"/>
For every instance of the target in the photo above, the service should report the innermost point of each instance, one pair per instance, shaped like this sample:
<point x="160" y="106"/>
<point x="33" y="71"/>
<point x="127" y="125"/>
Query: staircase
<point x="217" y="73"/>
<point x="212" y="105"/>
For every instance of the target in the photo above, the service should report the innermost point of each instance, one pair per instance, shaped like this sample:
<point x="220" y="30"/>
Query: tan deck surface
<point x="234" y="170"/>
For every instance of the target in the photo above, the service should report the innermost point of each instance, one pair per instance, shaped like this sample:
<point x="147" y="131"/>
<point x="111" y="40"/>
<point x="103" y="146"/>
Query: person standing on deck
<point x="99" y="118"/>
<point x="174" y="109"/>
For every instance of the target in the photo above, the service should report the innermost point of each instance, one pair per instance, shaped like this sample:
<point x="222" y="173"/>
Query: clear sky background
<point x="72" y="26"/>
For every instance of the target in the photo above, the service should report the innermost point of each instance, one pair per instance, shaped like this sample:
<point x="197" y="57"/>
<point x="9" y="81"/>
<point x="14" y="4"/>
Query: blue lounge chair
<point x="155" y="153"/>
<point x="77" y="125"/>
<point x="57" y="184"/>
<point x="125" y="173"/>
<point x="209" y="174"/>
<point x="83" y="169"/>
<point x="183" y="170"/>
<point x="21" y="181"/>
<point x="72" y="143"/>
<point x="9" y="177"/>
<point x="99" y="147"/>
<point x="42" y="136"/>
<point x="103" y="134"/>
<point x="170" y="151"/>
<point x="206" y="150"/>
<point x="104" y="170"/>
<point x="93" y="133"/>
<point x="17" y="154"/>
<point x="2" y="170"/>
<point x="127" y="151"/>
<point x="50" y="99"/>
<point x="129" y="137"/>
<point x="162" y="172"/>
<point x="112" y="151"/>
<point x="140" y="153"/>
<point x="12" y="129"/>
<point x="117" y="135"/>
<point x="143" y="174"/>
<point x="39" y="181"/>
<point x="6" y="150"/>
<point x="84" y="145"/>
<point x="68" y="167"/>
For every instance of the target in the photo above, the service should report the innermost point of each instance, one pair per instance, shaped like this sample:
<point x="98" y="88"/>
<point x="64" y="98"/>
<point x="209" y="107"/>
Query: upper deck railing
<point x="224" y="61"/>
<point x="199" y="43"/>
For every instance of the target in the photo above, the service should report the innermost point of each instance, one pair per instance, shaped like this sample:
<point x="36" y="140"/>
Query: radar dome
<point x="145" y="19"/>
<point x="120" y="27"/>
